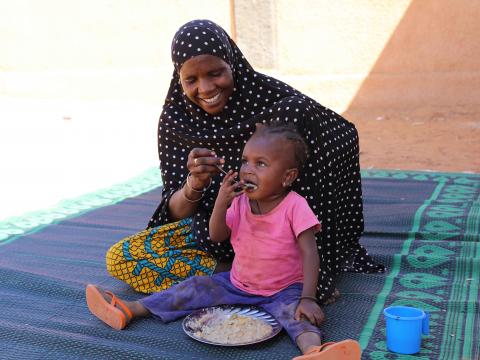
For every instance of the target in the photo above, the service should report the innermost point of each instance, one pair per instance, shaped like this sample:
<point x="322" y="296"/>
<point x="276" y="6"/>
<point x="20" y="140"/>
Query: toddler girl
<point x="272" y="231"/>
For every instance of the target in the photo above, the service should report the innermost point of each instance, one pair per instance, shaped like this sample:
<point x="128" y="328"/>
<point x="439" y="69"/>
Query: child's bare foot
<point x="336" y="295"/>
<point x="108" y="308"/>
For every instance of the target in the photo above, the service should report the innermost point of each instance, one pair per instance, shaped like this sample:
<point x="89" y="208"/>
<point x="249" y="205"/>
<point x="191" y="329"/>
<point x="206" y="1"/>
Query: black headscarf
<point x="330" y="180"/>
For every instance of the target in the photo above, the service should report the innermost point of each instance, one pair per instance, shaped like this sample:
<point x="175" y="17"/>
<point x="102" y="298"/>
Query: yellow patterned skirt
<point x="157" y="258"/>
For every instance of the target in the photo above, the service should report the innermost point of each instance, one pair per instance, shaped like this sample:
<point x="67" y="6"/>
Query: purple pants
<point x="199" y="292"/>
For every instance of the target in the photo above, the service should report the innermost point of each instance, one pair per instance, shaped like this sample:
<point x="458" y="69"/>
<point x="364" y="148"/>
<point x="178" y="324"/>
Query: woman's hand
<point x="311" y="311"/>
<point x="202" y="164"/>
<point x="228" y="190"/>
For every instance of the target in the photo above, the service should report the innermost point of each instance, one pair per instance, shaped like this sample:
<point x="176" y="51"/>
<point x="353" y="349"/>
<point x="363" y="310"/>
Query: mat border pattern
<point x="435" y="226"/>
<point x="467" y="264"/>
<point x="16" y="226"/>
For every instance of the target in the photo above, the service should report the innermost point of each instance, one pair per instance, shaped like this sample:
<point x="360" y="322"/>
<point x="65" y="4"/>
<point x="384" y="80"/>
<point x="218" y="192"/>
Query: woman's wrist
<point x="197" y="185"/>
<point x="190" y="195"/>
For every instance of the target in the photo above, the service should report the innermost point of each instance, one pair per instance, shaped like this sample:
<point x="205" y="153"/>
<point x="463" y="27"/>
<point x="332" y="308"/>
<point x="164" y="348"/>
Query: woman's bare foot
<point x="336" y="295"/>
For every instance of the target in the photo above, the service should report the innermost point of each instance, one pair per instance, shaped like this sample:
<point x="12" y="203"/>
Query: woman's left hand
<point x="311" y="311"/>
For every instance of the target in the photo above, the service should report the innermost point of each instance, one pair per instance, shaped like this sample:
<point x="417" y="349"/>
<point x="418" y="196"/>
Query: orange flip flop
<point x="109" y="312"/>
<point x="342" y="350"/>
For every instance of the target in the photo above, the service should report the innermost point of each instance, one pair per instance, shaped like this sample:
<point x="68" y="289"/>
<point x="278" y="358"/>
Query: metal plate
<point x="225" y="311"/>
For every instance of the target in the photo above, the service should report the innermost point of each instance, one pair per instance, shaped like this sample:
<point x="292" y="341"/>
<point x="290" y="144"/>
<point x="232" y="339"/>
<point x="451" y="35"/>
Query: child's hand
<point x="227" y="190"/>
<point x="311" y="311"/>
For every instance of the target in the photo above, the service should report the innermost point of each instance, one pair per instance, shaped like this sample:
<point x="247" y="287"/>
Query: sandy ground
<point x="425" y="139"/>
<point x="53" y="150"/>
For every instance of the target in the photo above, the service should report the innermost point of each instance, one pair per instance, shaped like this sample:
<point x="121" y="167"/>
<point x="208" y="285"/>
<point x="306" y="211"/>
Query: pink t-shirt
<point x="267" y="254"/>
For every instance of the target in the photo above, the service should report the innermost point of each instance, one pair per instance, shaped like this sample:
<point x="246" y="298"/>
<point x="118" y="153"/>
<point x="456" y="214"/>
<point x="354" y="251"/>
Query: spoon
<point x="246" y="185"/>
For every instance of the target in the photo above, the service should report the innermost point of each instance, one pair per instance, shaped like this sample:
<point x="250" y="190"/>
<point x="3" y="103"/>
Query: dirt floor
<point x="424" y="139"/>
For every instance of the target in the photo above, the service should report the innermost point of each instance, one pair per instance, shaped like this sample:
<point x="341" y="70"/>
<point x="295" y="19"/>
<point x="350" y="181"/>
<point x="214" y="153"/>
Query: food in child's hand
<point x="235" y="329"/>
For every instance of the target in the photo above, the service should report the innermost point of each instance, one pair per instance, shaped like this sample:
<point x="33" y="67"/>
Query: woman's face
<point x="207" y="81"/>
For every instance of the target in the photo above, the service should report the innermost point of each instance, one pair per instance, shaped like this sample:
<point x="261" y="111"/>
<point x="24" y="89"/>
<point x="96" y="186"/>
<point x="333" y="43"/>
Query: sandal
<point x="109" y="312"/>
<point x="342" y="350"/>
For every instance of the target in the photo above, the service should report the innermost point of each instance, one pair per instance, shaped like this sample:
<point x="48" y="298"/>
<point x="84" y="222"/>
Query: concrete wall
<point x="82" y="81"/>
<point x="347" y="54"/>
<point x="354" y="54"/>
<point x="94" y="49"/>
<point x="432" y="59"/>
<point x="326" y="50"/>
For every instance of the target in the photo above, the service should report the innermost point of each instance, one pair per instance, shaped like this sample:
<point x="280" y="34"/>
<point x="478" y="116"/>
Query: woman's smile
<point x="207" y="81"/>
<point x="212" y="100"/>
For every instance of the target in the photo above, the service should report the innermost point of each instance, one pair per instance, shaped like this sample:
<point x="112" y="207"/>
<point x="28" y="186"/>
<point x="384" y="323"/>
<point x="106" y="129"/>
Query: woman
<point x="214" y="100"/>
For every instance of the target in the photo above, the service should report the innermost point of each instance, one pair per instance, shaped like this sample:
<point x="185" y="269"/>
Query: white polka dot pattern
<point x="330" y="180"/>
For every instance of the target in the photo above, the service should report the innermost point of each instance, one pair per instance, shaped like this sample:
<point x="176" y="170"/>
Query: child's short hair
<point x="289" y="132"/>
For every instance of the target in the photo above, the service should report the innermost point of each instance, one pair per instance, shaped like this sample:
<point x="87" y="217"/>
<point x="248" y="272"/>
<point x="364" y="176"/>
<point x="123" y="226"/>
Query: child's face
<point x="267" y="162"/>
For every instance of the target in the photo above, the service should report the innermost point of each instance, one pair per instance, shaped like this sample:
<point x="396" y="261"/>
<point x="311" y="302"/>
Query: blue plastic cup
<point x="405" y="326"/>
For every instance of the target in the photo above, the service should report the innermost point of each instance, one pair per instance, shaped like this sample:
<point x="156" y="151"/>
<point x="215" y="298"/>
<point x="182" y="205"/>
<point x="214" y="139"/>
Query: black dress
<point x="330" y="180"/>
